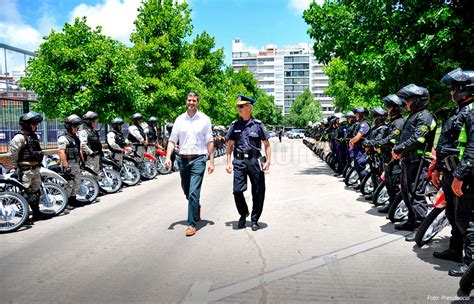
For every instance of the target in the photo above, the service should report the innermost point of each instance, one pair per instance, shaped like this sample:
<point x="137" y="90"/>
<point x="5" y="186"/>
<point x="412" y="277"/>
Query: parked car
<point x="296" y="133"/>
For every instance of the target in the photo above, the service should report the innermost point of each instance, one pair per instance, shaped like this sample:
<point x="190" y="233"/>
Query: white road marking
<point x="199" y="292"/>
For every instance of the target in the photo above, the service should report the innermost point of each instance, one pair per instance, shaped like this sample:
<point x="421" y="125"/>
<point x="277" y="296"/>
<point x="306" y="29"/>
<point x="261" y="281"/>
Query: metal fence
<point x="48" y="131"/>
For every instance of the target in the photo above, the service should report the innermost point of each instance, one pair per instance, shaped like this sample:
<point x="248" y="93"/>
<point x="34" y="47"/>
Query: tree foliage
<point x="304" y="110"/>
<point x="375" y="47"/>
<point x="80" y="69"/>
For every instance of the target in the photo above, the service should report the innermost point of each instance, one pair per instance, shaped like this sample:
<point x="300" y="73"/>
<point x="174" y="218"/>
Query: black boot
<point x="449" y="255"/>
<point x="369" y="197"/>
<point x="72" y="202"/>
<point x="458" y="272"/>
<point x="407" y="225"/>
<point x="384" y="209"/>
<point x="242" y="221"/>
<point x="411" y="237"/>
<point x="255" y="226"/>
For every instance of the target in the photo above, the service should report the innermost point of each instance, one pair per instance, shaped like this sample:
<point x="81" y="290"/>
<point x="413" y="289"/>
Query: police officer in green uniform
<point x="69" y="147"/>
<point x="244" y="139"/>
<point x="116" y="140"/>
<point x="91" y="146"/>
<point x="151" y="135"/>
<point x="26" y="157"/>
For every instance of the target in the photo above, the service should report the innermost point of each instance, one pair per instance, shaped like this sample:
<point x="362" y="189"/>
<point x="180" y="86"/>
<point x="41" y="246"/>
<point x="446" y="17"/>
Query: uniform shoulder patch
<point x="424" y="128"/>
<point x="258" y="121"/>
<point x="397" y="132"/>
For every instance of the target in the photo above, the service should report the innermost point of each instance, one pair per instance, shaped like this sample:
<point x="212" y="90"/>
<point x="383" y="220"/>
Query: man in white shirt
<point x="193" y="132"/>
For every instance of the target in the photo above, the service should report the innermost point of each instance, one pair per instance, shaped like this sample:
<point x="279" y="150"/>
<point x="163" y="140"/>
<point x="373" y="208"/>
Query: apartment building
<point x="284" y="73"/>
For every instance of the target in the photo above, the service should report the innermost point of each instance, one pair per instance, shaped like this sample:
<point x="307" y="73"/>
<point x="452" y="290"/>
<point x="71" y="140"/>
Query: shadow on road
<point x="199" y="225"/>
<point x="426" y="254"/>
<point x="235" y="224"/>
<point x="316" y="171"/>
<point x="375" y="211"/>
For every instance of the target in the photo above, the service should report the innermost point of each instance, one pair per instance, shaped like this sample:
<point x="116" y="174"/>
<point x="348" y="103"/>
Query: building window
<point x="296" y="73"/>
<point x="262" y="60"/>
<point x="244" y="62"/>
<point x="290" y="59"/>
<point x="300" y="88"/>
<point x="296" y="80"/>
<point x="300" y="66"/>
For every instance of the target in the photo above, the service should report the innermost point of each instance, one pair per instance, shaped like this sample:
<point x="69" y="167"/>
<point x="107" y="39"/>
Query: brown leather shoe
<point x="190" y="231"/>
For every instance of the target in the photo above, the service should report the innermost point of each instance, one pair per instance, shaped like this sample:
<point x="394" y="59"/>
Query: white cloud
<point x="14" y="32"/>
<point x="300" y="5"/>
<point x="115" y="16"/>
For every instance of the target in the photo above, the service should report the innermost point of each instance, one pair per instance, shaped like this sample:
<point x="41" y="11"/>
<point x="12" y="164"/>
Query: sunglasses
<point x="241" y="106"/>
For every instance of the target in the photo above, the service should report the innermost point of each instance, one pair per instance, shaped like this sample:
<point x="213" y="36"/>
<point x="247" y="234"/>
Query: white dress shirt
<point x="192" y="134"/>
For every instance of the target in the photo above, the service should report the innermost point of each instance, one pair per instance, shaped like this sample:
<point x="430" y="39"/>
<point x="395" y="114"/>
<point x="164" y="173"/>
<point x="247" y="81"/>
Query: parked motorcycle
<point x="14" y="209"/>
<point x="89" y="188"/>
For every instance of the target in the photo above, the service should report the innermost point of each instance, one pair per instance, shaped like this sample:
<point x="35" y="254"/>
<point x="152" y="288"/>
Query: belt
<point x="189" y="156"/>
<point x="246" y="155"/>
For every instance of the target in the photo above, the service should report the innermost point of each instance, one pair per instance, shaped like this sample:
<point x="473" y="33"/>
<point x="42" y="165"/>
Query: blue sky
<point x="256" y="22"/>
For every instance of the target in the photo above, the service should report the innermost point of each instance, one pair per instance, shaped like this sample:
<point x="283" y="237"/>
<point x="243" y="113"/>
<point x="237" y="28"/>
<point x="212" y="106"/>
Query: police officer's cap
<point x="117" y="121"/>
<point x="89" y="116"/>
<point x="72" y="120"/>
<point x="137" y="116"/>
<point x="378" y="112"/>
<point x="243" y="100"/>
<point x="392" y="100"/>
<point x="30" y="117"/>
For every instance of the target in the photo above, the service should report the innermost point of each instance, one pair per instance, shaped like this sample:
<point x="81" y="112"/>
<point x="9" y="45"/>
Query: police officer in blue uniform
<point x="355" y="144"/>
<point x="244" y="138"/>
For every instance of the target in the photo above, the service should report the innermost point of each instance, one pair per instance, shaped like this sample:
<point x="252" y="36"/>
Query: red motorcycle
<point x="434" y="222"/>
<point x="160" y="160"/>
<point x="147" y="167"/>
<point x="398" y="210"/>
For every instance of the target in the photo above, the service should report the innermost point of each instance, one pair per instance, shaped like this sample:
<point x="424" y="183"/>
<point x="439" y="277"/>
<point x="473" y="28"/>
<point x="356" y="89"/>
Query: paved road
<point x="320" y="242"/>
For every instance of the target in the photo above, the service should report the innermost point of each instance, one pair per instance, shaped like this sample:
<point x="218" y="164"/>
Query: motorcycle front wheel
<point x="13" y="211"/>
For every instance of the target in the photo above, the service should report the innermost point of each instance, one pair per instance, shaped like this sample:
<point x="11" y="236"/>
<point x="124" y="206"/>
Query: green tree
<point x="304" y="110"/>
<point x="80" y="69"/>
<point x="385" y="45"/>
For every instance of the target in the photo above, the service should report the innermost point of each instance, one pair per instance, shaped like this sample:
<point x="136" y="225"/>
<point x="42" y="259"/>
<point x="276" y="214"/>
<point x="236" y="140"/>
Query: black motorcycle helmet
<point x="152" y="120"/>
<point x="379" y="115"/>
<point x="332" y="119"/>
<point x="29" y="118"/>
<point x="116" y="123"/>
<point x="89" y="117"/>
<point x="363" y="112"/>
<point x="395" y="102"/>
<point x="72" y="120"/>
<point x="169" y="127"/>
<point x="350" y="114"/>
<point x="461" y="83"/>
<point x="420" y="95"/>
